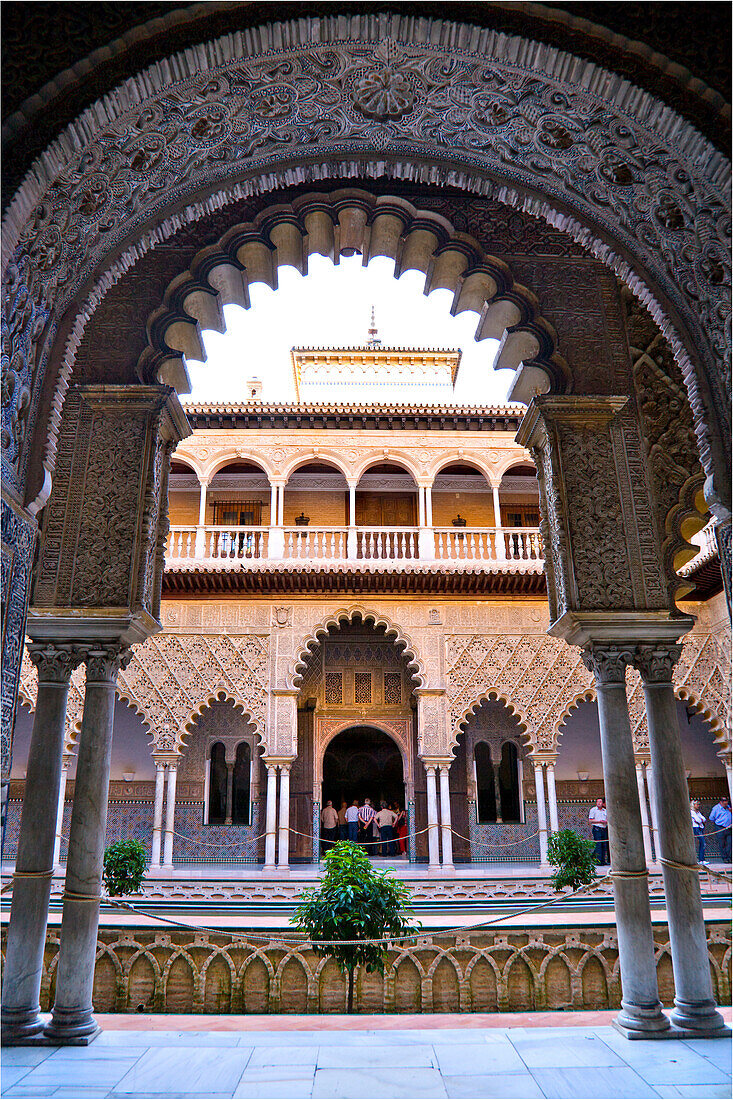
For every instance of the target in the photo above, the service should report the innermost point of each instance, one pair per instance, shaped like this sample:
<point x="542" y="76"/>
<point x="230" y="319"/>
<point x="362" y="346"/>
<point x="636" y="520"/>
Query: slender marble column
<point x="644" y="815"/>
<point x="73" y="1020"/>
<point x="652" y="809"/>
<point x="445" y="818"/>
<point x="351" y="537"/>
<point x="500" y="547"/>
<point x="694" y="1003"/>
<point x="273" y="505"/>
<point x="200" y="547"/>
<point x="170" y="815"/>
<point x="271" y="817"/>
<point x="281" y="506"/>
<point x="230" y="794"/>
<point x="283" y="840"/>
<point x="539" y="783"/>
<point x="497" y="793"/>
<point x="421" y="504"/>
<point x="157" y="814"/>
<point x="428" y="506"/>
<point x="641" y="1009"/>
<point x="433" y="836"/>
<point x="552" y="798"/>
<point x="34" y="862"/>
<point x="60" y="812"/>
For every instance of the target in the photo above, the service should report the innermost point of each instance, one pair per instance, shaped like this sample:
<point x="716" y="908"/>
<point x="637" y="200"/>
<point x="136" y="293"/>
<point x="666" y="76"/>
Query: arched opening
<point x="360" y="763"/>
<point x="316" y="511"/>
<point x="519" y="505"/>
<point x="509" y="798"/>
<point x="486" y="805"/>
<point x="217" y="784"/>
<point x="241" y="783"/>
<point x="387" y="512"/>
<point x="237" y="508"/>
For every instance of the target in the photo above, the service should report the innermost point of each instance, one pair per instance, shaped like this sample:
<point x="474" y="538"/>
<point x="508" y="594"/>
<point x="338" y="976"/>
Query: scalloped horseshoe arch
<point x="492" y="695"/>
<point x="345" y="223"/>
<point x="414" y="663"/>
<point x="382" y="95"/>
<point x="220" y="694"/>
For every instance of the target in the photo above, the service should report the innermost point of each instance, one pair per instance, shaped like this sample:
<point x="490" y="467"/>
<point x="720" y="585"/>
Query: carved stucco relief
<point x="542" y="679"/>
<point x="636" y="170"/>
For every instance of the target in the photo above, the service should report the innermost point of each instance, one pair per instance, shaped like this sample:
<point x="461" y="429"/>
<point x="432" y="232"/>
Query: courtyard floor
<point x="479" y="1057"/>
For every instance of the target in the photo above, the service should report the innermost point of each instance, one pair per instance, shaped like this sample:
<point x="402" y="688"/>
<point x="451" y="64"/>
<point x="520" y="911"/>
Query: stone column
<point x="694" y="1009"/>
<point x="497" y="793"/>
<point x="60" y="812"/>
<point x="428" y="506"/>
<point x="433" y="837"/>
<point x="271" y="817"/>
<point x="351" y="546"/>
<point x="229" y="793"/>
<point x="157" y="813"/>
<point x="200" y="548"/>
<point x="500" y="547"/>
<point x="552" y="797"/>
<point x="728" y="765"/>
<point x="641" y="1009"/>
<point x="34" y="862"/>
<point x="539" y="783"/>
<point x="273" y="505"/>
<point x="646" y="831"/>
<point x="170" y="815"/>
<point x="421" y="504"/>
<point x="283" y="840"/>
<point x="445" y="818"/>
<point x="654" y="827"/>
<point x="72" y="1020"/>
<point x="275" y="535"/>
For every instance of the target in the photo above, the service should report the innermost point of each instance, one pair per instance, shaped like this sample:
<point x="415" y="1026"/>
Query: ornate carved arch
<point x="646" y="199"/>
<point x="347" y="614"/>
<point x="492" y="695"/>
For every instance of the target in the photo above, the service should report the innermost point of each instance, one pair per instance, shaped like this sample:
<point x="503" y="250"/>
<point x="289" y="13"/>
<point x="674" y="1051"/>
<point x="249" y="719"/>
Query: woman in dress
<point x="400" y="828"/>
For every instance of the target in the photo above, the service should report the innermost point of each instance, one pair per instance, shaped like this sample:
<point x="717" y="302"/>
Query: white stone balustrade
<point x="238" y="546"/>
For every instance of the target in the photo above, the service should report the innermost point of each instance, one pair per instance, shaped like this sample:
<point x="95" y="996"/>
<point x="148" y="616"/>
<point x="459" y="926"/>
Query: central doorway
<point x="363" y="762"/>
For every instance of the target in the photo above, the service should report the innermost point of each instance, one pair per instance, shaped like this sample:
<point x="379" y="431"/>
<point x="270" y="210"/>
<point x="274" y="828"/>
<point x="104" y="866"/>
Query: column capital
<point x="105" y="660"/>
<point x="55" y="662"/>
<point x="607" y="662"/>
<point x="437" y="761"/>
<point x="656" y="661"/>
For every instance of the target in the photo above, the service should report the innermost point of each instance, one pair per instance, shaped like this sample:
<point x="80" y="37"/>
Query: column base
<point x="700" y="1020"/>
<point x="269" y="868"/>
<point x="434" y="868"/>
<point x="72" y="1027"/>
<point x="448" y="869"/>
<point x="21" y="1026"/>
<point x="642" y="1021"/>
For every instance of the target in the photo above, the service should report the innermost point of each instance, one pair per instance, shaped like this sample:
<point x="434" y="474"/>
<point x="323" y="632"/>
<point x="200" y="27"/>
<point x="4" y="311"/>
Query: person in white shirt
<point x="352" y="822"/>
<point x="366" y="820"/>
<point x="329" y="826"/>
<point x="698" y="828"/>
<point x="385" y="820"/>
<point x="599" y="827"/>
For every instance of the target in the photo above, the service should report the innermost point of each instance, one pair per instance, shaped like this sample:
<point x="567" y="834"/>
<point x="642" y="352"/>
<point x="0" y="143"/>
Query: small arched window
<point x="241" y="785"/>
<point x="217" y="784"/>
<point x="509" y="782"/>
<point x="485" y="794"/>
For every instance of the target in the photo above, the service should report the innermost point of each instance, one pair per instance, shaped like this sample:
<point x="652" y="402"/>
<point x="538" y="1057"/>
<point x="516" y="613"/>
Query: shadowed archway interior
<point x="363" y="762"/>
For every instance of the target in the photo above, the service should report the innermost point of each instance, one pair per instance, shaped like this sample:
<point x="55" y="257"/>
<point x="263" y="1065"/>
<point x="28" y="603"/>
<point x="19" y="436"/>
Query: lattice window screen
<point x="334" y="689"/>
<point x="392" y="688"/>
<point x="362" y="687"/>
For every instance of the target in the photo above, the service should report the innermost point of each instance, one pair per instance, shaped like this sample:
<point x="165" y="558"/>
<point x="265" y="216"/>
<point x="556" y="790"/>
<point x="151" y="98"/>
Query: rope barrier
<point x="368" y="843"/>
<point x="300" y="943"/>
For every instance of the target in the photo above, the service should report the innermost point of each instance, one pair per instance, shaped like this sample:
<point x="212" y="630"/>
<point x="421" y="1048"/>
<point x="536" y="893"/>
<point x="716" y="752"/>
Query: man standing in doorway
<point x="720" y="817"/>
<point x="599" y="827"/>
<point x="366" y="820"/>
<point x="329" y="826"/>
<point x="385" y="823"/>
<point x="343" y="831"/>
<point x="352" y="822"/>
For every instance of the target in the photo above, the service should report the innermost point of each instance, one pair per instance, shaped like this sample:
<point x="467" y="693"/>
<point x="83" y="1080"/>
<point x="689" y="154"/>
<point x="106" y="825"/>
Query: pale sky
<point x="331" y="307"/>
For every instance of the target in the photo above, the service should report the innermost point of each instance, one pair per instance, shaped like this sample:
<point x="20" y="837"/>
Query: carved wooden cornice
<point x="368" y="417"/>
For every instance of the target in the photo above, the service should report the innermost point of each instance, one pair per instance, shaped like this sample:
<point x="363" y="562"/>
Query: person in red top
<point x="400" y="828"/>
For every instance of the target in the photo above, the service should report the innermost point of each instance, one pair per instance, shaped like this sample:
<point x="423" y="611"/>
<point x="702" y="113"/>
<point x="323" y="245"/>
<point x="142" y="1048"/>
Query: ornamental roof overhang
<point x="393" y="417"/>
<point x="326" y="579"/>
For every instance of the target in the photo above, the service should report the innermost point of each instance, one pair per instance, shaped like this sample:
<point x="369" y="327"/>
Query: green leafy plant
<point x="354" y="902"/>
<point x="574" y="857"/>
<point x="124" y="867"/>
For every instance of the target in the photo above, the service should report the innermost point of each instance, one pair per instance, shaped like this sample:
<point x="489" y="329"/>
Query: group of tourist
<point x="383" y="831"/>
<point x="720" y="817"/>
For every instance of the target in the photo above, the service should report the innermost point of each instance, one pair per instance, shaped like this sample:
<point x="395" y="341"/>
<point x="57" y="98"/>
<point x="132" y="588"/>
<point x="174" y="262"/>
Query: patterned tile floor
<point x="316" y="1059"/>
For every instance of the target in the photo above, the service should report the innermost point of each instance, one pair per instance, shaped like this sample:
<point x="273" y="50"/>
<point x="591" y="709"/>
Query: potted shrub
<point x="574" y="857"/>
<point x="124" y="867"/>
<point x="354" y="902"/>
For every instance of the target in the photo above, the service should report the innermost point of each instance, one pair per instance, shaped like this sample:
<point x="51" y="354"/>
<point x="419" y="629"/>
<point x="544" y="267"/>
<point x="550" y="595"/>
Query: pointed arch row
<point x="343" y="223"/>
<point x="415" y="664"/>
